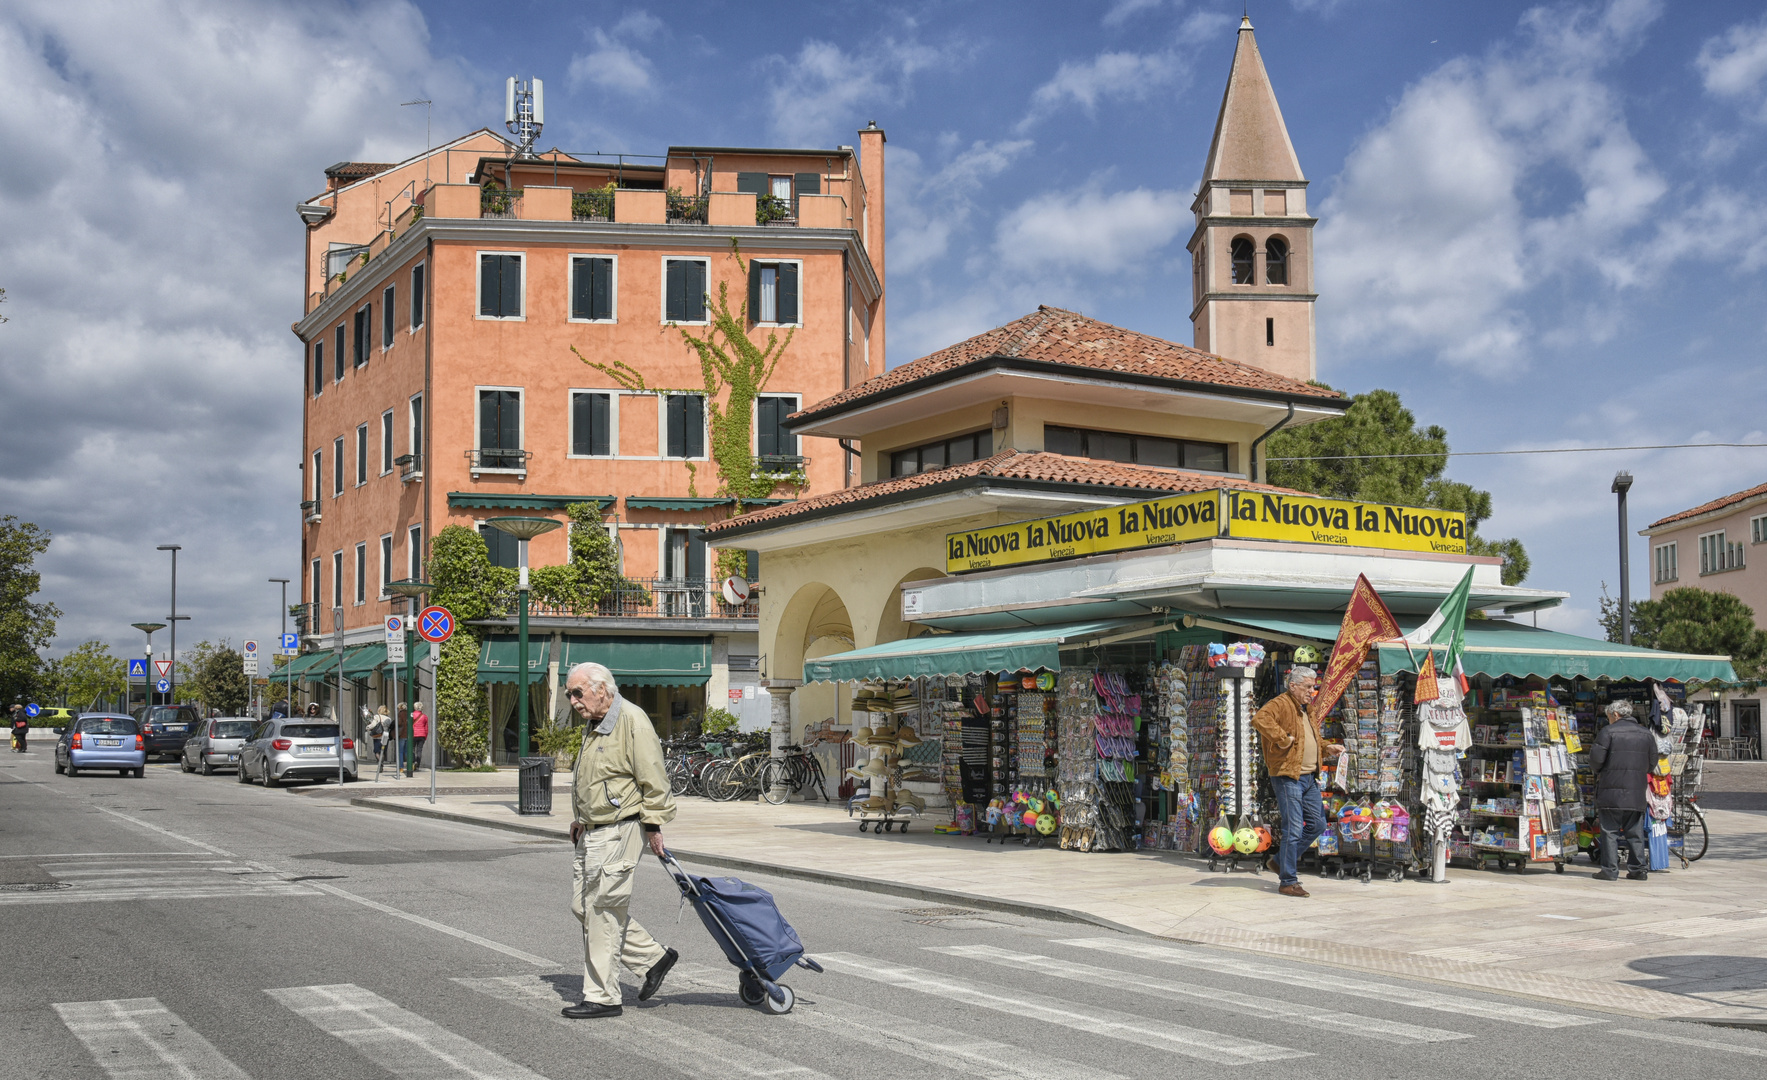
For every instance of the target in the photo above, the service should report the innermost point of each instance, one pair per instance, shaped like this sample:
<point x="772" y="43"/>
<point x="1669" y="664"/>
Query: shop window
<point x="1135" y="449"/>
<point x="1276" y="261"/>
<point x="938" y="455"/>
<point x="1244" y="254"/>
<point x="685" y="423"/>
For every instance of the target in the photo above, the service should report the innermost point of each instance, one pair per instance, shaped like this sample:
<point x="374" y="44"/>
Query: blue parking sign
<point x="137" y="667"/>
<point x="291" y="644"/>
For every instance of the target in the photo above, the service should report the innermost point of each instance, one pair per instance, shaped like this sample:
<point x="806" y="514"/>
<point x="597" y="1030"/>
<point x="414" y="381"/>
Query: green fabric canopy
<point x="964" y="654"/>
<point x="644" y="661"/>
<point x="360" y="662"/>
<point x="1493" y="647"/>
<point x="310" y="665"/>
<point x="498" y="659"/>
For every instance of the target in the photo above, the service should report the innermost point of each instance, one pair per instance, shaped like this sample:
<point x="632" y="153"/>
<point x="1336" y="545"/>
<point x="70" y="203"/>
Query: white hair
<point x="597" y="674"/>
<point x="1301" y="673"/>
<point x="1617" y="710"/>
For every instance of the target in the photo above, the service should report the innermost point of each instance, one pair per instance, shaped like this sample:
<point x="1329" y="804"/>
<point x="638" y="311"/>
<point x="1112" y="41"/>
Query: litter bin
<point x="535" y="786"/>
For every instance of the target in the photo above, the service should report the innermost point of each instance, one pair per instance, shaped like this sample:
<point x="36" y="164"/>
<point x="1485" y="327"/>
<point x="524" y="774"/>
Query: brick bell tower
<point x="1252" y="251"/>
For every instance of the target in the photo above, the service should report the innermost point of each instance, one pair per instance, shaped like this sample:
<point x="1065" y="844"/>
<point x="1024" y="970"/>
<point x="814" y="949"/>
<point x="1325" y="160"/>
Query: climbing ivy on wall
<point x="735" y="369"/>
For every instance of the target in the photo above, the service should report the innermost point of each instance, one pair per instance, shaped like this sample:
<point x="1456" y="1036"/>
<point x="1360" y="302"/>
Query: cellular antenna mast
<point x="524" y="113"/>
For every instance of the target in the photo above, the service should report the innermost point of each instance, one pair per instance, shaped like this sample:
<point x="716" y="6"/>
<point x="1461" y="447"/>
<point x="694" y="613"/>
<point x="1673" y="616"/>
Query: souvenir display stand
<point x="885" y="804"/>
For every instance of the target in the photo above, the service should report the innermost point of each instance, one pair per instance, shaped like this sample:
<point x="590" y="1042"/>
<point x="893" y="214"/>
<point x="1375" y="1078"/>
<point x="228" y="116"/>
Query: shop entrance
<point x="1745" y="728"/>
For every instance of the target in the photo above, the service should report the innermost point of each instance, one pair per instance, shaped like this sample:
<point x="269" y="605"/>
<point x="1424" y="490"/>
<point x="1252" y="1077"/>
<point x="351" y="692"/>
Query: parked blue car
<point x="102" y="741"/>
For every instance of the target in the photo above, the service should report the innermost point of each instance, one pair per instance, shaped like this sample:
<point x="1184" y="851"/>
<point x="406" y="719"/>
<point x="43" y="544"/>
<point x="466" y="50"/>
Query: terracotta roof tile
<point x="1715" y="504"/>
<point x="355" y="170"/>
<point x="1006" y="465"/>
<point x="1054" y="336"/>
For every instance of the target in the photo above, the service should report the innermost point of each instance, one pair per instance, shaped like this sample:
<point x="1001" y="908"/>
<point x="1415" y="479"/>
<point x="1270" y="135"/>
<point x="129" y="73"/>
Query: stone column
<point x="780" y="691"/>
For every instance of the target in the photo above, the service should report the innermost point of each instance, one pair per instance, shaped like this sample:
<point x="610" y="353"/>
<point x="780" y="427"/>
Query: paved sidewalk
<point x="1687" y="943"/>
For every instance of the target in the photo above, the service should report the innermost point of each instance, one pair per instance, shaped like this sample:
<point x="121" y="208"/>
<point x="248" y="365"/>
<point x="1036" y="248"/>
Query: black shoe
<point x="1603" y="875"/>
<point x="653" y="979"/>
<point x="1638" y="875"/>
<point x="588" y="1010"/>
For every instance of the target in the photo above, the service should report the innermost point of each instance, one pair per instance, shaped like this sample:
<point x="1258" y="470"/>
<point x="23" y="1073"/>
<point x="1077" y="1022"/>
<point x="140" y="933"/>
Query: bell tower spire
<point x="1252" y="251"/>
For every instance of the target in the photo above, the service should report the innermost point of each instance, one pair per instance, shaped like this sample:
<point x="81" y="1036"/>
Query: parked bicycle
<point x="798" y="771"/>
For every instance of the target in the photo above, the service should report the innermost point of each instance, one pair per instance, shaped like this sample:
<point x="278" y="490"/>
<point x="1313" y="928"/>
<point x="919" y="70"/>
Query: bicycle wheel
<point x="1693" y="845"/>
<point x="679" y="777"/>
<point x="720" y="782"/>
<point x="776" y="779"/>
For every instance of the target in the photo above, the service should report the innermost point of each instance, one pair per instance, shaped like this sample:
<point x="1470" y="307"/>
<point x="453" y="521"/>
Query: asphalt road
<point x="189" y="927"/>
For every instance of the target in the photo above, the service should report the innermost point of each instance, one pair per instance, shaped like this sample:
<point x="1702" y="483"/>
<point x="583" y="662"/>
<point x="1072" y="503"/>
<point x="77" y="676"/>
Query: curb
<point x="821" y="877"/>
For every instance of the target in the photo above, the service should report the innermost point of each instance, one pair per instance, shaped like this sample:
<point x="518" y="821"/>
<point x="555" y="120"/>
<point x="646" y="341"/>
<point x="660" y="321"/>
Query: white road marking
<point x="684" y="1049"/>
<point x="140" y="1039"/>
<point x="1370" y="1027"/>
<point x="399" y="1041"/>
<point x="984" y="1059"/>
<point x="1144" y="1031"/>
<point x="102" y="896"/>
<point x="1704" y="1044"/>
<point x="1334" y="982"/>
<point x="210" y="848"/>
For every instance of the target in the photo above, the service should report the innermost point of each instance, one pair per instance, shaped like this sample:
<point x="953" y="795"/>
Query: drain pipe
<point x="847" y="445"/>
<point x="1252" y="474"/>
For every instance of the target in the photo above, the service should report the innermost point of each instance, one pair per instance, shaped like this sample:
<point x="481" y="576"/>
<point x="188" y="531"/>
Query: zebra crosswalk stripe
<point x="686" y="1050"/>
<point x="1371" y="1027"/>
<point x="985" y="1059"/>
<point x="1172" y="1038"/>
<point x="401" y="1042"/>
<point x="140" y="1039"/>
<point x="1338" y="983"/>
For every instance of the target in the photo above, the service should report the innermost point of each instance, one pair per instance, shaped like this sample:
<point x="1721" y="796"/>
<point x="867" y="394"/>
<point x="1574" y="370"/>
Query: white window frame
<point x="337" y="582"/>
<point x="613" y="422"/>
<point x="318" y="477"/>
<point x="388" y="445"/>
<point x="1664" y="562"/>
<point x="417" y="314"/>
<point x="414" y="552"/>
<point x="389" y="319"/>
<point x="386" y="565"/>
<point x="316" y="590"/>
<point x="570" y="286"/>
<point x="663" y="297"/>
<point x="361" y="360"/>
<point x="1715" y="552"/>
<point x="662" y="428"/>
<point x="478" y="286"/>
<point x="337" y="467"/>
<point x="1758" y="529"/>
<point x="361" y="573"/>
<point x="799" y="263"/>
<point x="413" y="444"/>
<point x="478" y="428"/>
<point x="361" y="454"/>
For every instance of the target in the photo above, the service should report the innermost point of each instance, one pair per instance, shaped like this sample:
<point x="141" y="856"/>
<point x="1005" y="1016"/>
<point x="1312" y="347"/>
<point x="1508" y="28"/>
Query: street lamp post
<point x="172" y="672"/>
<point x="523" y="529"/>
<point x="1622" y="484"/>
<point x="282" y="581"/>
<point x="413" y="591"/>
<point x="147" y="683"/>
<point x="337" y="710"/>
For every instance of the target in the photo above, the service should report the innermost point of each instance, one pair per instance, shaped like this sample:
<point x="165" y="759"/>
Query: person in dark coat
<point x="1623" y="756"/>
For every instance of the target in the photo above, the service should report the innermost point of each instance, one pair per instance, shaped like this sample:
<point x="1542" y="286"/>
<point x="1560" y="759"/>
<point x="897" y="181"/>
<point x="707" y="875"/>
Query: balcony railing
<point x="498" y="460"/>
<point x="593" y="205"/>
<point x="686" y="209"/>
<point x="496" y="202"/>
<point x="661" y="598"/>
<point x="771" y="210"/>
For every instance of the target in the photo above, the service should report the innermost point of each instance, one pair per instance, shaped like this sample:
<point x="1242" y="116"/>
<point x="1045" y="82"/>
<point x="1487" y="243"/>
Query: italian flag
<point x="1447" y="627"/>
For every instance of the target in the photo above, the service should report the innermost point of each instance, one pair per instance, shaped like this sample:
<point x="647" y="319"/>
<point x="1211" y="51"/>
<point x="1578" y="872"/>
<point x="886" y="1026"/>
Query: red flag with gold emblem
<point x="1428" y="689"/>
<point x="1366" y="621"/>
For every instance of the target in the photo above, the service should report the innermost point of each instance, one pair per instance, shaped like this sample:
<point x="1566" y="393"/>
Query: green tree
<point x="1690" y="620"/>
<point x="471" y="588"/>
<point x="223" y="683"/>
<point x="1376" y="452"/>
<point x="26" y="626"/>
<point x="85" y="674"/>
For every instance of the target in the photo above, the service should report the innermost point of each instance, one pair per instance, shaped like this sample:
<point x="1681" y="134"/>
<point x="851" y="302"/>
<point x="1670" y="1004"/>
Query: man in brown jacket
<point x="1293" y="754"/>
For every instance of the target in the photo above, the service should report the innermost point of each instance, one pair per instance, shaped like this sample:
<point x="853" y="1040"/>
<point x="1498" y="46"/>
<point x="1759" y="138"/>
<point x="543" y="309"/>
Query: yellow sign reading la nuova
<point x="1307" y="519"/>
<point x="1091" y="532"/>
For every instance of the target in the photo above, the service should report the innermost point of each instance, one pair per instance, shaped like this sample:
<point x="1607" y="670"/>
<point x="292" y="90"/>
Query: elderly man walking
<point x="1623" y="756"/>
<point x="620" y="800"/>
<point x="1293" y="754"/>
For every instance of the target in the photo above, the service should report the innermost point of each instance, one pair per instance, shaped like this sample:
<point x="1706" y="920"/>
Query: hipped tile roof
<point x="1056" y="336"/>
<point x="1039" y="466"/>
<point x="1715" y="504"/>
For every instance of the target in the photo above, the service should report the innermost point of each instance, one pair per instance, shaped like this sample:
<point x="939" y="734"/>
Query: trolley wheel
<point x="1367" y="877"/>
<point x="878" y="829"/>
<point x="780" y="1008"/>
<point x="749" y="990"/>
<point x="1396" y="874"/>
<point x="1214" y="864"/>
<point x="1558" y="867"/>
<point x="1340" y="876"/>
<point x="903" y="827"/>
<point x="863" y="825"/>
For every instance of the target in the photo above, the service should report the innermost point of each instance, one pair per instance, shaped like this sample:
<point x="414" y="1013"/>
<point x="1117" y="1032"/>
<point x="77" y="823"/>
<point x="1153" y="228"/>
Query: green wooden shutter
<point x="601" y="276"/>
<point x="754" y="291"/>
<point x="696" y="291"/>
<point x="511" y="274"/>
<point x="487" y="421"/>
<point x="788" y="292"/>
<point x="693" y="435"/>
<point x="804" y="183"/>
<point x="488" y="290"/>
<point x="767" y="426"/>
<point x="582" y="430"/>
<point x="752" y="182"/>
<point x="677" y="433"/>
<point x="598" y="410"/>
<point x="582" y="277"/>
<point x="674" y="296"/>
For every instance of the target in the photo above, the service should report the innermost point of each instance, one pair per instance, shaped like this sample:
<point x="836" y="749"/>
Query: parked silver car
<point x="215" y="744"/>
<point x="294" y="748"/>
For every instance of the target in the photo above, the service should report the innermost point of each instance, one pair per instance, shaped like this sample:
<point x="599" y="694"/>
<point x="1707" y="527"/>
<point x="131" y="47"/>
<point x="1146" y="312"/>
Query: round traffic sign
<point x="163" y="686"/>
<point x="32" y="709"/>
<point x="736" y="590"/>
<point x="435" y="624"/>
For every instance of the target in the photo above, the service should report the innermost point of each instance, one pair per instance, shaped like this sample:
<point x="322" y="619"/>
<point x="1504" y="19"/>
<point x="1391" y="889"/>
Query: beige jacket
<point x="1278" y="723"/>
<point x="620" y="771"/>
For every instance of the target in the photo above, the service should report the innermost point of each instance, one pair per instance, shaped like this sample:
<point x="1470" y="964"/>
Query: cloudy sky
<point x="1546" y="226"/>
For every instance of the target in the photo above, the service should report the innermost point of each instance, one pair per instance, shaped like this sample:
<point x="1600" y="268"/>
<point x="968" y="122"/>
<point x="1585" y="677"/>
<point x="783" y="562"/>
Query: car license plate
<point x="315" y="750"/>
<point x="232" y="757"/>
<point x="175" y="729"/>
<point x="110" y="742"/>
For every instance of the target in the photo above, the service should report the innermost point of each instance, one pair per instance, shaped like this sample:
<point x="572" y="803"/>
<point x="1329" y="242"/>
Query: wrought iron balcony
<point x="661" y="598"/>
<point x="498" y="460"/>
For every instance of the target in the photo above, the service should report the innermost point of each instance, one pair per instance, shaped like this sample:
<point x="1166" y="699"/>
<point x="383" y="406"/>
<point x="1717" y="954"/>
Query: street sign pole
<point x="337" y="708"/>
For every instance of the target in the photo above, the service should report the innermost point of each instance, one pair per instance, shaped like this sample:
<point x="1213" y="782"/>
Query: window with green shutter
<point x="500" y="286"/>
<point x="684" y="290"/>
<point x="590" y="424"/>
<point x="592" y="288"/>
<point x="773" y="293"/>
<point x="772" y="439"/>
<point x="686" y="426"/>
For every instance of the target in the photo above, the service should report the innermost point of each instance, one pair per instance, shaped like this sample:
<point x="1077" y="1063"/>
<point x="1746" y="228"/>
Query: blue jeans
<point x="1303" y="819"/>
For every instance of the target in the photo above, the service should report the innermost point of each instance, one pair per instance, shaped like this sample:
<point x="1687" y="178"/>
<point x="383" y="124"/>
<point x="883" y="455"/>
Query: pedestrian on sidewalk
<point x="377" y="731"/>
<point x="620" y="800"/>
<point x="419" y="735"/>
<point x="1293" y="754"/>
<point x="1623" y="756"/>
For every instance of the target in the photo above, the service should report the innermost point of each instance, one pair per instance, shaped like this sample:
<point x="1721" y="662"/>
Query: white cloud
<point x="1117" y="75"/>
<point x="928" y="208"/>
<point x="613" y="63"/>
<point x="153" y="261"/>
<point x="1734" y="64"/>
<point x="1124" y="10"/>
<point x="1109" y="233"/>
<point x="1493" y="182"/>
<point x="819" y="94"/>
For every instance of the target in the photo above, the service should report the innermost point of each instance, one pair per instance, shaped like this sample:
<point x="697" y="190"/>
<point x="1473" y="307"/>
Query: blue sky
<point x="1545" y="225"/>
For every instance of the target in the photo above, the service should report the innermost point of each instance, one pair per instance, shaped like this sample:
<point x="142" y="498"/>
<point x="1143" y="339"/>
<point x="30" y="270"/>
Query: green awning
<point x="479" y="500"/>
<point x="498" y="658"/>
<point x="636" y="502"/>
<point x="360" y="662"/>
<point x="644" y="661"/>
<point x="965" y="654"/>
<point x="1493" y="647"/>
<point x="310" y="665"/>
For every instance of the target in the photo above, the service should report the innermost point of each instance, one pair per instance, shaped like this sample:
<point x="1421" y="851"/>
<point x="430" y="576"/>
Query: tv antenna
<point x="428" y="143"/>
<point x="524" y="113"/>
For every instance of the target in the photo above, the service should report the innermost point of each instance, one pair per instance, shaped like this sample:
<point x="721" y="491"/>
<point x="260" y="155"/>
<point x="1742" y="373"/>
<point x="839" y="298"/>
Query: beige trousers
<point x="601" y="879"/>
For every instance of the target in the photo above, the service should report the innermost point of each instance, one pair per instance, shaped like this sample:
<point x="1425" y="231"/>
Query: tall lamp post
<point x="172" y="672"/>
<point x="1622" y="484"/>
<point x="523" y="529"/>
<point x="413" y="591"/>
<point x="147" y="684"/>
<point x="282" y="581"/>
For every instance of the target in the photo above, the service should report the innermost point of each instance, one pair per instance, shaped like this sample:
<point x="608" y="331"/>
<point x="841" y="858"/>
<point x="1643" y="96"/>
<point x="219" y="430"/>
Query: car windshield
<point x="172" y="715"/>
<point x="106" y="726"/>
<point x="233" y="729"/>
<point x="309" y="731"/>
